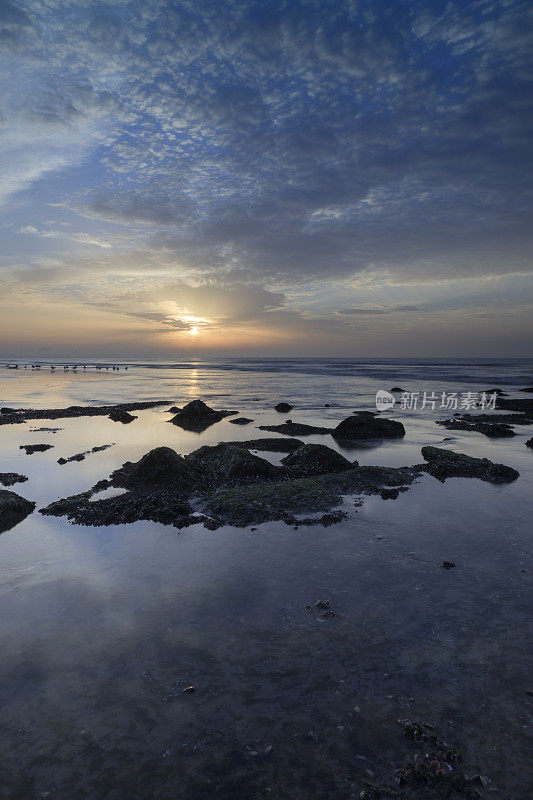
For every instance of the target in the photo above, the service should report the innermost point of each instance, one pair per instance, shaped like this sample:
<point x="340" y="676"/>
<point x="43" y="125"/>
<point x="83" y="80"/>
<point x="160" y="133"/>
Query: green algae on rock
<point x="13" y="509"/>
<point x="247" y="504"/>
<point x="444" y="464"/>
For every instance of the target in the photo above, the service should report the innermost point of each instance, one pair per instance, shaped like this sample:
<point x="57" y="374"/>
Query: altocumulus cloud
<point x="251" y="145"/>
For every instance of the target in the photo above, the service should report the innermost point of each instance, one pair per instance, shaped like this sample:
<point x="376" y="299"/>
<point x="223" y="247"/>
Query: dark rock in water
<point x="6" y="410"/>
<point x="196" y="416"/>
<point x="527" y="389"/>
<point x="498" y="392"/>
<point x="161" y="467"/>
<point x="227" y="462"/>
<point x="22" y="414"/>
<point x="529" y="442"/>
<point x="46" y="430"/>
<point x="366" y="425"/>
<point x="327" y="405"/>
<point x="10" y="478"/>
<point x="448" y="564"/>
<point x="290" y="428"/>
<point x="119" y="415"/>
<point x="449" y="464"/>
<point x="35" y="448"/>
<point x="13" y="509"/>
<point x="156" y="505"/>
<point x="81" y="456"/>
<point x="315" y="459"/>
<point x="524" y="404"/>
<point x="397" y="389"/>
<point x="283" y="408"/>
<point x="285" y="445"/>
<point x="468" y="422"/>
<point x="241" y="421"/>
<point x="389" y="494"/>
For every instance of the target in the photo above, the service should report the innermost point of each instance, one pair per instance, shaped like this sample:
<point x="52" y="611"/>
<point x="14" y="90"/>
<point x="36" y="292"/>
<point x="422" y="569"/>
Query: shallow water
<point x="104" y="627"/>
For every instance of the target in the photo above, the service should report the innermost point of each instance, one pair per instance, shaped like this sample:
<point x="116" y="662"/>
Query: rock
<point x="13" y="509"/>
<point x="449" y="464"/>
<point x="448" y="564"/>
<point x="290" y="428"/>
<point x="283" y="408"/>
<point x="498" y="392"/>
<point x="389" y="494"/>
<point x="161" y="467"/>
<point x="81" y="456"/>
<point x="10" y="478"/>
<point x="227" y="462"/>
<point x="119" y="415"/>
<point x="468" y="422"/>
<point x="397" y="389"/>
<point x="197" y="416"/>
<point x="285" y="445"/>
<point x="529" y="442"/>
<point x="527" y="389"/>
<point x="315" y="459"/>
<point x="366" y="425"/>
<point x="241" y="421"/>
<point x="189" y="689"/>
<point x="524" y="404"/>
<point x="21" y="415"/>
<point x="35" y="448"/>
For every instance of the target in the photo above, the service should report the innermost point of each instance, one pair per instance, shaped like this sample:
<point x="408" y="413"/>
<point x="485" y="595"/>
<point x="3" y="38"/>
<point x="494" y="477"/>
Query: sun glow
<point x="194" y="331"/>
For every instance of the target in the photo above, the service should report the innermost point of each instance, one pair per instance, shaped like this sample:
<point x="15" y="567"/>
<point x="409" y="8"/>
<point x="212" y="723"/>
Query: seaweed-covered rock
<point x="23" y="414"/>
<point x="290" y="428"/>
<point x="35" y="448"/>
<point x="315" y="459"/>
<point x="10" y="478"/>
<point x="13" y="509"/>
<point x="444" y="464"/>
<point x="366" y="425"/>
<point x="241" y="421"/>
<point x="230" y="463"/>
<point x="272" y="445"/>
<point x="253" y="503"/>
<point x="119" y="415"/>
<point x="283" y="408"/>
<point x="161" y="467"/>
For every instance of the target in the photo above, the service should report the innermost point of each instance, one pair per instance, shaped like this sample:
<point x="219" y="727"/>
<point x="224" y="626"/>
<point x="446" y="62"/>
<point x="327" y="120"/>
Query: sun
<point x="194" y="331"/>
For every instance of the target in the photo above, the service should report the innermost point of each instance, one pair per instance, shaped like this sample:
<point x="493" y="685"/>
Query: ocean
<point x="104" y="627"/>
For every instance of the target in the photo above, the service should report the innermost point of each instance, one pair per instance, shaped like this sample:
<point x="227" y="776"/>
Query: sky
<point x="282" y="178"/>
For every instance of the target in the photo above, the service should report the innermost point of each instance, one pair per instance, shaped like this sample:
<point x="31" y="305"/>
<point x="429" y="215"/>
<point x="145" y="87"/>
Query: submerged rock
<point x="120" y="415"/>
<point x="228" y="462"/>
<point x="283" y="408"/>
<point x="241" y="421"/>
<point x="10" y="478"/>
<point x="13" y="509"/>
<point x="291" y="428"/>
<point x="81" y="456"/>
<point x="366" y="425"/>
<point x="161" y="467"/>
<point x="524" y="404"/>
<point x="444" y="464"/>
<point x="35" y="448"/>
<point x="315" y="459"/>
<point x="527" y="389"/>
